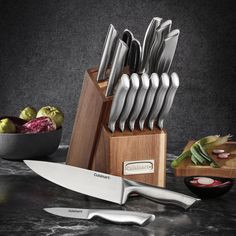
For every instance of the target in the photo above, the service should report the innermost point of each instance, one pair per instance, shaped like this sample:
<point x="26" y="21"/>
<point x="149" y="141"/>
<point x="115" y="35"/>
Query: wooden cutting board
<point x="227" y="166"/>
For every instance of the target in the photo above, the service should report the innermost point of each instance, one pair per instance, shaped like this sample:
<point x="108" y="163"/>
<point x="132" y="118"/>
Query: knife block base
<point x="130" y="154"/>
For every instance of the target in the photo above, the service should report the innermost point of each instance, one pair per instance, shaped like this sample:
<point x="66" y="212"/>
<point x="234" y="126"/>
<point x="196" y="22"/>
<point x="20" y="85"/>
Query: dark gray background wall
<point x="45" y="47"/>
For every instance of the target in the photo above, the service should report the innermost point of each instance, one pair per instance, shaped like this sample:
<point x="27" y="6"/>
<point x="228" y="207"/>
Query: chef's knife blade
<point x="109" y="43"/>
<point x="127" y="37"/>
<point x="168" y="52"/>
<point x="115" y="216"/>
<point x="118" y="101"/>
<point x="134" y="85"/>
<point x="158" y="100"/>
<point x="104" y="186"/>
<point x="139" y="100"/>
<point x="168" y="100"/>
<point x="148" y="41"/>
<point x="160" y="35"/>
<point x="117" y="66"/>
<point x="154" y="79"/>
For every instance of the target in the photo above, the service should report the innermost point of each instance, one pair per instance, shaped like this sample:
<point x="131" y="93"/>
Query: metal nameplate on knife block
<point x="137" y="155"/>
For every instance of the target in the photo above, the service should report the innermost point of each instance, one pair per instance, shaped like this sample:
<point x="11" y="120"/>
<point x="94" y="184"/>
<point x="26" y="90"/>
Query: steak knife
<point x="134" y="86"/>
<point x="168" y="100"/>
<point x="118" y="101"/>
<point x="168" y="52"/>
<point x="158" y="101"/>
<point x="104" y="186"/>
<point x="154" y="79"/>
<point x="109" y="43"/>
<point x="139" y="100"/>
<point x="115" y="216"/>
<point x="117" y="66"/>
<point x="148" y="41"/>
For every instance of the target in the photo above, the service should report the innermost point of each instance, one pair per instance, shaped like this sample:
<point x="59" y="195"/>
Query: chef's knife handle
<point x="158" y="194"/>
<point x="127" y="217"/>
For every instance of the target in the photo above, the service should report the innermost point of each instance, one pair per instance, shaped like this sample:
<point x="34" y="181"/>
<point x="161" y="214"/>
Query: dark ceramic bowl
<point x="28" y="146"/>
<point x="210" y="192"/>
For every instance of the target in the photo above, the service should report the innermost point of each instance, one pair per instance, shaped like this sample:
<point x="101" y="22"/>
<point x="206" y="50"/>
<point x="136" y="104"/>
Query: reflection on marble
<point x="23" y="195"/>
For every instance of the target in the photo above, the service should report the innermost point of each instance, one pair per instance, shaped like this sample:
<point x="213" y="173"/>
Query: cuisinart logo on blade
<point x="101" y="176"/>
<point x="138" y="167"/>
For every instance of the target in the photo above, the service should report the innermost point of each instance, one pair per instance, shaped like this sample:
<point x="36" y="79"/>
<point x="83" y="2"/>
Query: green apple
<point x="7" y="126"/>
<point x="28" y="113"/>
<point x="52" y="112"/>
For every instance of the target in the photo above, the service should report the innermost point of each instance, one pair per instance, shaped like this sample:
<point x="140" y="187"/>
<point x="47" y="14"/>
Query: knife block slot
<point x="134" y="153"/>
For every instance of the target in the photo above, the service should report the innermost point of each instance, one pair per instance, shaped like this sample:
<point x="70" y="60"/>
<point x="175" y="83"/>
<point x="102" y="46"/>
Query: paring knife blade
<point x="129" y="102"/>
<point x="127" y="37"/>
<point x="139" y="100"/>
<point x="158" y="100"/>
<point x="109" y="43"/>
<point x="168" y="100"/>
<point x="107" y="187"/>
<point x="117" y="66"/>
<point x="118" y="101"/>
<point x="148" y="41"/>
<point x="160" y="35"/>
<point x="168" y="52"/>
<point x="115" y="216"/>
<point x="154" y="79"/>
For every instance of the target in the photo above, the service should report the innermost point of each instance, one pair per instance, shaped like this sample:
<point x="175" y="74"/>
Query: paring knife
<point x="158" y="101"/>
<point x="159" y="37"/>
<point x="129" y="102"/>
<point x="127" y="37"/>
<point x="168" y="52"/>
<point x="168" y="100"/>
<point x="139" y="100"/>
<point x="107" y="187"/>
<point x="154" y="79"/>
<point x="117" y="66"/>
<point x="118" y="101"/>
<point x="109" y="43"/>
<point x="115" y="216"/>
<point x="148" y="41"/>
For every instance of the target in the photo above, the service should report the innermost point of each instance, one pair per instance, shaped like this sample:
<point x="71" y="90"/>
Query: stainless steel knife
<point x="168" y="100"/>
<point x="134" y="86"/>
<point x="168" y="51"/>
<point x="107" y="187"/>
<point x="154" y="79"/>
<point x="158" y="101"/>
<point x="117" y="66"/>
<point x="109" y="43"/>
<point x="127" y="37"/>
<point x="118" y="101"/>
<point x="139" y="100"/>
<point x="115" y="216"/>
<point x="159" y="37"/>
<point x="148" y="41"/>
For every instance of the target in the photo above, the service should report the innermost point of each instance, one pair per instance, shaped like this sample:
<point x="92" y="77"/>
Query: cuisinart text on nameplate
<point x="138" y="167"/>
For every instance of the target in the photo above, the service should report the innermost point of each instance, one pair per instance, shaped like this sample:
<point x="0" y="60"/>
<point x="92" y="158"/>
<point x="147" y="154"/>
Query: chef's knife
<point x="134" y="58"/>
<point x="159" y="98"/>
<point x="118" y="101"/>
<point x="160" y="35"/>
<point x="139" y="100"/>
<point x="117" y="66"/>
<point x="127" y="37"/>
<point x="168" y="100"/>
<point x="168" y="52"/>
<point x="154" y="79"/>
<point x="129" y="102"/>
<point x="148" y="41"/>
<point x="104" y="186"/>
<point x="109" y="43"/>
<point x="115" y="216"/>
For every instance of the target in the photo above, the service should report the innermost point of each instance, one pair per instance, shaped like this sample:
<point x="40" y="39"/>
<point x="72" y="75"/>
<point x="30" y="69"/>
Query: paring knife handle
<point x="158" y="194"/>
<point x="127" y="217"/>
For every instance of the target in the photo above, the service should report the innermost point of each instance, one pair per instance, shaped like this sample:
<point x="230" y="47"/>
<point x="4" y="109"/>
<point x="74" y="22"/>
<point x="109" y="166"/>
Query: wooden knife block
<point x="94" y="147"/>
